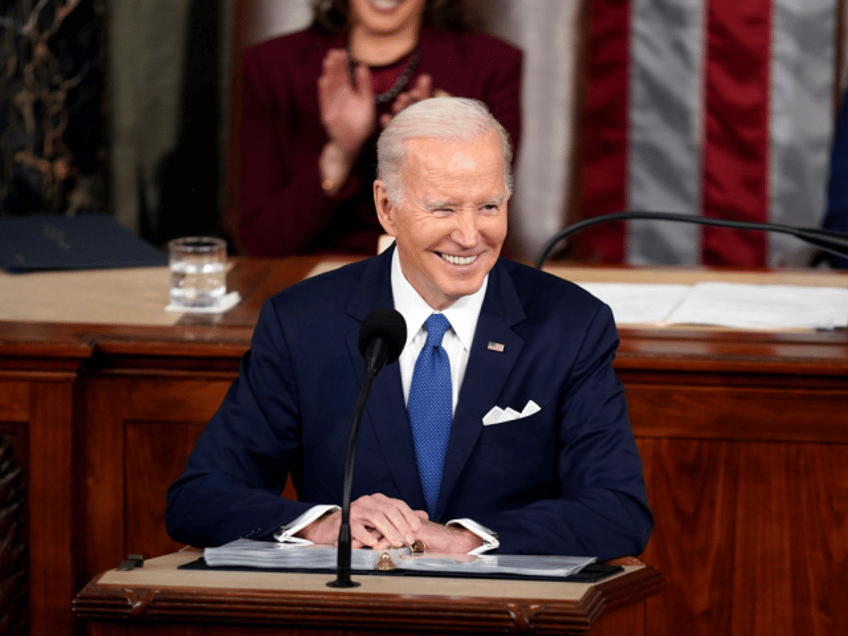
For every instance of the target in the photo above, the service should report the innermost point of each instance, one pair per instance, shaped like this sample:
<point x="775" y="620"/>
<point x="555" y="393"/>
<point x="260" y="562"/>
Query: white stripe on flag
<point x="666" y="128"/>
<point x="801" y="123"/>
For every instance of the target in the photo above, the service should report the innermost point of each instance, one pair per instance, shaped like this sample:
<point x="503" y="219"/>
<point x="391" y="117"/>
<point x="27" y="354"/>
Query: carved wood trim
<point x="14" y="565"/>
<point x="348" y="610"/>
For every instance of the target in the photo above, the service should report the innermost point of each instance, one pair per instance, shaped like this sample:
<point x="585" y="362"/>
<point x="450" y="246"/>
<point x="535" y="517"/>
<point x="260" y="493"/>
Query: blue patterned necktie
<point x="430" y="408"/>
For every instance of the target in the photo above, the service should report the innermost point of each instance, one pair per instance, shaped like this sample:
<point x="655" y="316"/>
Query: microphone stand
<point x="828" y="240"/>
<point x="344" y="553"/>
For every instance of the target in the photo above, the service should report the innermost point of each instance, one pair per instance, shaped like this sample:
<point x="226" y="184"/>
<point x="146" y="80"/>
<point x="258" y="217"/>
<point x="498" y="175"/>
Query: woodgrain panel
<point x="792" y="540"/>
<point x="691" y="489"/>
<point x="140" y="430"/>
<point x="751" y="537"/>
<point x="52" y="498"/>
<point x="762" y="540"/>
<point x="819" y="488"/>
<point x="738" y="413"/>
<point x="155" y="456"/>
<point x="631" y="622"/>
<point x="14" y="401"/>
<point x="102" y="429"/>
<point x="178" y="398"/>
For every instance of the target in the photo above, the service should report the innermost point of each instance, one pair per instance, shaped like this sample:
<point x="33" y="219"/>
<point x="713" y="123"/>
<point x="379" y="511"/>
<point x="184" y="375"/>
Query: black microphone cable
<point x="828" y="240"/>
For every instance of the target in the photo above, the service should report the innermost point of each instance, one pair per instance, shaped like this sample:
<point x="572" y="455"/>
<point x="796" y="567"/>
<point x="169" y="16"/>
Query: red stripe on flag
<point x="735" y="182"/>
<point x="605" y="139"/>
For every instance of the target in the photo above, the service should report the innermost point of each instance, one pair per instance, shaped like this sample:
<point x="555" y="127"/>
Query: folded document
<point x="282" y="556"/>
<point x="87" y="241"/>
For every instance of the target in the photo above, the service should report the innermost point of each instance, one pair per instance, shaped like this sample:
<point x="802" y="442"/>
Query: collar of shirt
<point x="462" y="314"/>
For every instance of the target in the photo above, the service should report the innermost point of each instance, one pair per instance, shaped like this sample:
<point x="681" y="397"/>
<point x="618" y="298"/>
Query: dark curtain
<point x="187" y="178"/>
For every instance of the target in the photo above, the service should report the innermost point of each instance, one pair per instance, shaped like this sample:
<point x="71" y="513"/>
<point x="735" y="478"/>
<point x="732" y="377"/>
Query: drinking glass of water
<point x="198" y="270"/>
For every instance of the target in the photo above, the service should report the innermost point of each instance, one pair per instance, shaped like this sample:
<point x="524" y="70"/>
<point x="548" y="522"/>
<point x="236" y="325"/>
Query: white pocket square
<point x="498" y="415"/>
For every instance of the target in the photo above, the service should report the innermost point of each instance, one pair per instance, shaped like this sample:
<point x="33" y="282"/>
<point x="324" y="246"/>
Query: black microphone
<point x="382" y="337"/>
<point x="828" y="240"/>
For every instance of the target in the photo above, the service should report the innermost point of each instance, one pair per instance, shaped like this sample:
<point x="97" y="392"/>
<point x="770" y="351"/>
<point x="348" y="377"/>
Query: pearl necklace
<point x="400" y="82"/>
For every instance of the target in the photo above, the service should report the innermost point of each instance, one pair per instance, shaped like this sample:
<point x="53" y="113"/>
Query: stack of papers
<point x="724" y="304"/>
<point x="524" y="565"/>
<point x="286" y="556"/>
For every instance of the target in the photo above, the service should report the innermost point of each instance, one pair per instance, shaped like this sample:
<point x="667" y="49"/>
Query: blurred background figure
<point x="837" y="190"/>
<point x="313" y="102"/>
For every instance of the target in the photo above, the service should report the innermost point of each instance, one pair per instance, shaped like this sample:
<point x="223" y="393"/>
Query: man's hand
<point x="453" y="539"/>
<point x="376" y="521"/>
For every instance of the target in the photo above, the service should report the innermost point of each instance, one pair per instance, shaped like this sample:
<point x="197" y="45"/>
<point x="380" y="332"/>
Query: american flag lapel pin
<point x="496" y="346"/>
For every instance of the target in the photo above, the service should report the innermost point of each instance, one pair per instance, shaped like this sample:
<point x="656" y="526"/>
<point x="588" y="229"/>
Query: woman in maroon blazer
<point x="314" y="102"/>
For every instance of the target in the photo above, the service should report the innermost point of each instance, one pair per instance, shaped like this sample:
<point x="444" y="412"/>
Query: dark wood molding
<point x="428" y="612"/>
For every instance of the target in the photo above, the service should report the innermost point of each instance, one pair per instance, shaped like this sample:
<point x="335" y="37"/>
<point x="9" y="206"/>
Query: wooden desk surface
<point x="228" y="334"/>
<point x="159" y="591"/>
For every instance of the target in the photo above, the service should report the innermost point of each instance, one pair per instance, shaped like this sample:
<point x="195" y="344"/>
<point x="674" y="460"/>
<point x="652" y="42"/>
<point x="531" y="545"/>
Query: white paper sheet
<point x="763" y="306"/>
<point x="736" y="305"/>
<point x="636" y="303"/>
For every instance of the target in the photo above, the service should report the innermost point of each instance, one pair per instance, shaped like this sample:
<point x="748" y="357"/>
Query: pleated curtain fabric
<point x="430" y="408"/>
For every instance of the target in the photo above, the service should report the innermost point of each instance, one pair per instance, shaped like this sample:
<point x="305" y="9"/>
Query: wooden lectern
<point x="158" y="598"/>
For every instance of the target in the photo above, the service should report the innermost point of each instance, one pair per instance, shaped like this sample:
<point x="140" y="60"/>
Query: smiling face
<point x="451" y="223"/>
<point x="387" y="17"/>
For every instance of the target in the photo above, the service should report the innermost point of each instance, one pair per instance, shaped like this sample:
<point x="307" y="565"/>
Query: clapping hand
<point x="347" y="110"/>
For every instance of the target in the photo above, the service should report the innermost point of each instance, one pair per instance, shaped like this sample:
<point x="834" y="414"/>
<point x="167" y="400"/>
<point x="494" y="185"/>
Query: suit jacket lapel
<point x="385" y="411"/>
<point x="485" y="375"/>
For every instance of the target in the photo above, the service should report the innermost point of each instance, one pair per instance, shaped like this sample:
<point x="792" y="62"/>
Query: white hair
<point x="448" y="118"/>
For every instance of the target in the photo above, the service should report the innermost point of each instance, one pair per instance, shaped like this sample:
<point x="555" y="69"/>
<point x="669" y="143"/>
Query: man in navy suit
<point x="540" y="457"/>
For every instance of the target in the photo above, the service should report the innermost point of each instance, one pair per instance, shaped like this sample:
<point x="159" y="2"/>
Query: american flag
<point x="722" y="108"/>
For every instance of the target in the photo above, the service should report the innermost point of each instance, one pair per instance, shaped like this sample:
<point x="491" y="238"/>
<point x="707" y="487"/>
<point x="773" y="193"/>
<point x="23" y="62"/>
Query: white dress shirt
<point x="457" y="340"/>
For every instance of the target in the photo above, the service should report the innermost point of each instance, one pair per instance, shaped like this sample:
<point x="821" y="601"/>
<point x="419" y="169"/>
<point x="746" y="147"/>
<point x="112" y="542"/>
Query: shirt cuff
<point x="287" y="532"/>
<point x="490" y="538"/>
